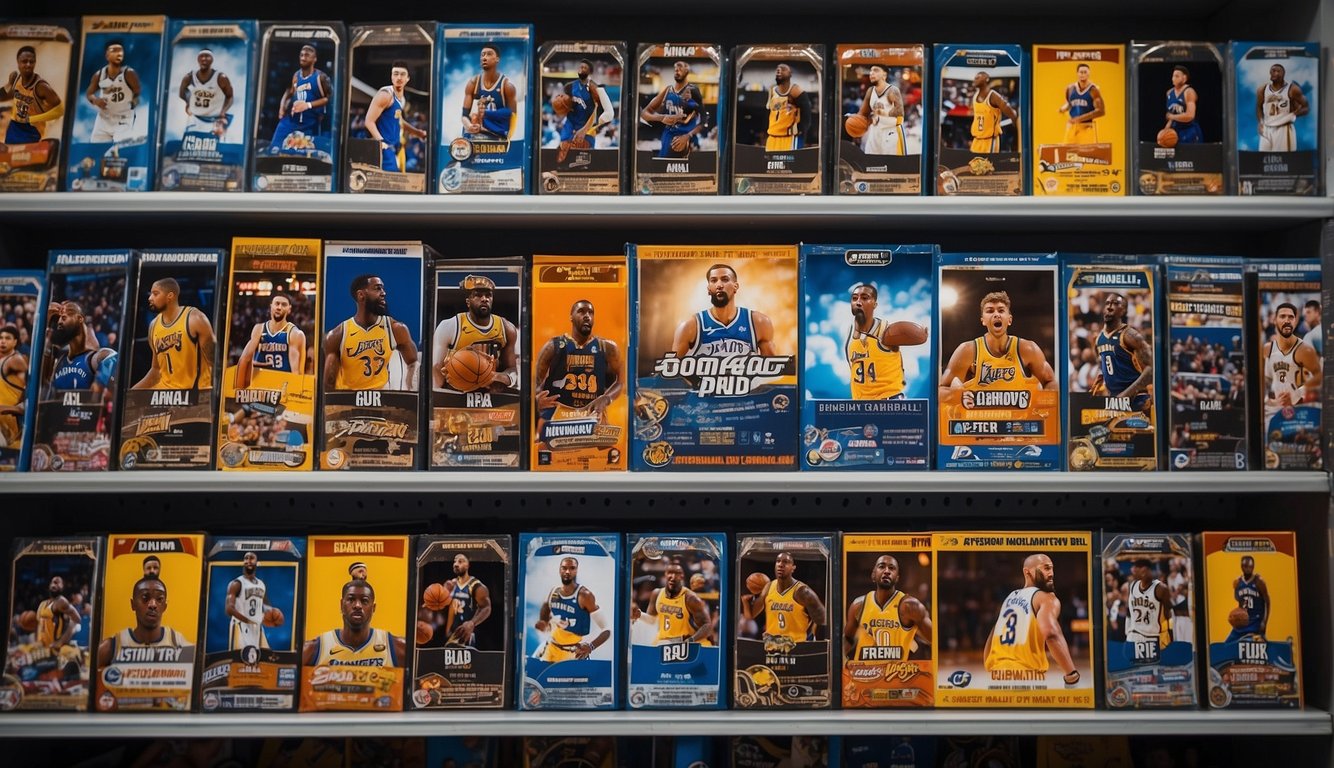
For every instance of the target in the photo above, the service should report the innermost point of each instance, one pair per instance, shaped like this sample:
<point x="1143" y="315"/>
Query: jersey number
<point x="117" y="96"/>
<point x="782" y="621"/>
<point x="863" y="371"/>
<point x="202" y="101"/>
<point x="367" y="361"/>
<point x="581" y="382"/>
<point x="1011" y="620"/>
<point x="1249" y="601"/>
<point x="166" y="359"/>
<point x="253" y="608"/>
<point x="1107" y="363"/>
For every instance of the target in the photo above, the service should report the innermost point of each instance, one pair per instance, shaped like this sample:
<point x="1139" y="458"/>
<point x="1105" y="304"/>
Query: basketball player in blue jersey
<point x="578" y="371"/>
<point x="479" y="329"/>
<point x="386" y="123"/>
<point x="469" y="604"/>
<point x="114" y="90"/>
<point x="490" y="101"/>
<point x="35" y="101"/>
<point x="1314" y="332"/>
<point x="725" y="329"/>
<point x="357" y="606"/>
<point x="275" y="344"/>
<point x="679" y="109"/>
<point x="590" y="109"/>
<point x="208" y="95"/>
<point x="364" y="361"/>
<point x="994" y="351"/>
<point x="1181" y="106"/>
<point x="148" y="600"/>
<point x="1252" y="595"/>
<point x="303" y="108"/>
<point x="81" y="364"/>
<point x="1125" y="368"/>
<point x="567" y="617"/>
<point x="1083" y="103"/>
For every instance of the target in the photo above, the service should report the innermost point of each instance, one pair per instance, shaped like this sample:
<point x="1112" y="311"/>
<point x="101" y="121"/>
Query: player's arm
<point x="1307" y="358"/>
<point x="1297" y="99"/>
<point x="912" y="609"/>
<point x="105" y="649"/>
<point x="589" y="603"/>
<point x="650" y="113"/>
<point x="699" y="616"/>
<point x="604" y="98"/>
<point x="950" y="390"/>
<point x="310" y="651"/>
<point x="234" y="593"/>
<point x="1048" y="607"/>
<point x="543" y="623"/>
<point x="409" y="127"/>
<point x="615" y="379"/>
<point x="71" y="620"/>
<point x="285" y="103"/>
<point x="378" y="105"/>
<point x="1036" y="362"/>
<point x="326" y="88"/>
<point x="802" y="101"/>
<point x="91" y="93"/>
<point x="400" y="648"/>
<point x="852" y="625"/>
<point x="1099" y="109"/>
<point x="482" y="599"/>
<point x="507" y="377"/>
<point x="752" y="605"/>
<point x="903" y="333"/>
<point x="47" y="97"/>
<point x="183" y="91"/>
<point x="468" y="90"/>
<point x="1138" y="348"/>
<point x="245" y="365"/>
<point x="7" y="90"/>
<point x="132" y="80"/>
<point x="1260" y="109"/>
<point x="150" y="379"/>
<point x="407" y="349"/>
<point x="202" y="330"/>
<point x="441" y="344"/>
<point x="1263" y="588"/>
<point x="696" y="103"/>
<point x="764" y="333"/>
<point x="296" y="350"/>
<point x="225" y="84"/>
<point x="16" y="370"/>
<point x="998" y="101"/>
<point x="543" y="398"/>
<point x="684" y="337"/>
<point x="505" y="113"/>
<point x="103" y="362"/>
<point x="814" y="608"/>
<point x="895" y="101"/>
<point x="645" y="616"/>
<point x="333" y="343"/>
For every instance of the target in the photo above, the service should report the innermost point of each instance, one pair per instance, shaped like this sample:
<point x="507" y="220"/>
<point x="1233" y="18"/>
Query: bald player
<point x="1028" y="627"/>
<point x="181" y="340"/>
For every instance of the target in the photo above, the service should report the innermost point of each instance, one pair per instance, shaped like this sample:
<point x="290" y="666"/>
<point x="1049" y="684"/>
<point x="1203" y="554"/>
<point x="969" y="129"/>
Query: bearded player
<point x="358" y="351"/>
<point x="883" y="109"/>
<point x="13" y="388"/>
<point x="989" y="107"/>
<point x="588" y="108"/>
<point x="1028" y="627"/>
<point x="1278" y="104"/>
<point x="725" y="329"/>
<point x="789" y="113"/>
<point x="579" y="372"/>
<point x="567" y="617"/>
<point x="479" y="330"/>
<point x="208" y="95"/>
<point x="275" y="344"/>
<point x="114" y="91"/>
<point x="82" y="365"/>
<point x="469" y="604"/>
<point x="1125" y="357"/>
<point x="35" y="101"/>
<point x="872" y="348"/>
<point x="792" y="611"/>
<point x="1292" y="367"/>
<point x="885" y="624"/>
<point x="679" y="109"/>
<point x="51" y="649"/>
<point x="995" y="360"/>
<point x="679" y="615"/>
<point x="1252" y="596"/>
<point x="181" y="340"/>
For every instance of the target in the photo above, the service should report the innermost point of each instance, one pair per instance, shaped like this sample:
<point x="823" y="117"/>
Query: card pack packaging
<point x="299" y="107"/>
<point x="1079" y="120"/>
<point x="23" y="310"/>
<point x="680" y="99"/>
<point x="778" y="119"/>
<point x="389" y="105"/>
<point x="1179" y="132"/>
<point x="580" y="85"/>
<point x="882" y="119"/>
<point x="1276" y="87"/>
<point x="982" y="129"/>
<point x="38" y="91"/>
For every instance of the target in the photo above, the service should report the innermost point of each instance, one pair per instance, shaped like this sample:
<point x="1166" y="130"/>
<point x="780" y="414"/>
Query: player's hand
<point x="99" y="102"/>
<point x="546" y="400"/>
<point x="671" y="119"/>
<point x="463" y="631"/>
<point x="299" y="107"/>
<point x="634" y="612"/>
<point x="681" y="143"/>
<point x="955" y="394"/>
<point x="1071" y="678"/>
<point x="599" y="405"/>
<point x="1285" y="398"/>
<point x="582" y="650"/>
<point x="384" y="145"/>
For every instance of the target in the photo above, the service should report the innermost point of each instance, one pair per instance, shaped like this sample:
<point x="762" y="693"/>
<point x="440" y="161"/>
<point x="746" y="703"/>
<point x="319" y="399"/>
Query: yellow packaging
<point x="1079" y="120"/>
<point x="889" y="657"/>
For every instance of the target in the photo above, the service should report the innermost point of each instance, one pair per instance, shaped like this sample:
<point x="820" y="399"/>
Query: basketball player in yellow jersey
<point x="477" y="329"/>
<point x="57" y="620"/>
<point x="181" y="340"/>
<point x="789" y="113"/>
<point x="885" y="624"/>
<point x="357" y="643"/>
<point x="995" y="360"/>
<point x="988" y="109"/>
<point x="1028" y="627"/>
<point x="13" y="388"/>
<point x="357" y="350"/>
<point x="35" y="102"/>
<point x="678" y="613"/>
<point x="792" y="611"/>
<point x="872" y="348"/>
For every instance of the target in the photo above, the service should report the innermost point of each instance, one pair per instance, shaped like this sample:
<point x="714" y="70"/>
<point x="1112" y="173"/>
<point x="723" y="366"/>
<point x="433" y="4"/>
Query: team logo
<point x="460" y="149"/>
<point x="962" y="452"/>
<point x="659" y="454"/>
<point x="831" y="449"/>
<point x="111" y="675"/>
<point x="211" y="701"/>
<point x="781" y="402"/>
<point x="961" y="678"/>
<point x="1181" y="460"/>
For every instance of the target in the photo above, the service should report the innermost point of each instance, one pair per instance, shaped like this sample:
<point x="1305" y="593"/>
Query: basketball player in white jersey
<point x="1292" y="367"/>
<point x="114" y="90"/>
<point x="207" y="94"/>
<point x="1148" y="600"/>
<point x="883" y="107"/>
<point x="246" y="605"/>
<point x="1278" y="104"/>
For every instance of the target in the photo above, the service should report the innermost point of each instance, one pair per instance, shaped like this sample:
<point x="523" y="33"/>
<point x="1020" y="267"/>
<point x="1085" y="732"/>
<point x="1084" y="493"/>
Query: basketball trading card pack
<point x="680" y="104"/>
<point x="146" y="653"/>
<point x="464" y="627"/>
<point x="371" y="353"/>
<point x="52" y="608"/>
<point x="1277" y="113"/>
<point x="1149" y="620"/>
<point x="1000" y="391"/>
<point x="23" y="305"/>
<point x="37" y="90"/>
<point x="580" y="120"/>
<point x="678" y="621"/>
<point x="251" y="607"/>
<point x="882" y="119"/>
<point x="113" y="137"/>
<point x="780" y="751"/>
<point x="1253" y="629"/>
<point x="389" y="108"/>
<point x="1292" y="344"/>
<point x="76" y="399"/>
<point x="1038" y="651"/>
<point x="716" y="388"/>
<point x="486" y="100"/>
<point x="299" y="108"/>
<point x="1208" y="419"/>
<point x="478" y="403"/>
<point x="1179" y="143"/>
<point x="1079" y="120"/>
<point x="580" y="339"/>
<point x="778" y="123"/>
<point x="888" y="642"/>
<point x="981" y="100"/>
<point x="868" y="372"/>
<point x="355" y="655"/>
<point x="167" y="416"/>
<point x="560" y="751"/>
<point x="267" y="417"/>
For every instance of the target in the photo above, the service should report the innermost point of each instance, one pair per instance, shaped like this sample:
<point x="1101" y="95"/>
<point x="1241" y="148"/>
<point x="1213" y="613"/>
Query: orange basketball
<point x="1167" y="138"/>
<point x="1238" y="617"/>
<point x="424" y="632"/>
<point x="467" y="370"/>
<point x="273" y="617"/>
<point x="560" y="103"/>
<point x="856" y="126"/>
<point x="28" y="621"/>
<point x="756" y="582"/>
<point x="435" y="597"/>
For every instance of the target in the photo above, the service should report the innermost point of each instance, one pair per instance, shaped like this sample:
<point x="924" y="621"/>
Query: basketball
<point x="1238" y="617"/>
<point x="435" y="597"/>
<point x="560" y="104"/>
<point x="28" y="621"/>
<point x="424" y="632"/>
<point x="467" y="370"/>
<point x="756" y="582"/>
<point x="273" y="617"/>
<point x="698" y="582"/>
<point x="1167" y="138"/>
<point x="856" y="126"/>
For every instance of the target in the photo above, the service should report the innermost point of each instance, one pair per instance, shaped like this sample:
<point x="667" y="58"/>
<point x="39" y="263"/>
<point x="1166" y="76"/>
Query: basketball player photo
<point x="1208" y="417"/>
<point x="999" y="389"/>
<point x="778" y="124"/>
<point x="1277" y="129"/>
<point x="485" y="85"/>
<point x="715" y="369"/>
<point x="113" y="136"/>
<point x="167" y="412"/>
<point x="389" y="108"/>
<point x="80" y="369"/>
<point x="580" y="341"/>
<point x="22" y="301"/>
<point x="678" y="620"/>
<point x="52" y="602"/>
<point x="679" y="97"/>
<point x="1253" y="620"/>
<point x="888" y="639"/>
<point x="146" y="653"/>
<point x="298" y="114"/>
<point x="780" y="751"/>
<point x="371" y="355"/>
<point x="1291" y="347"/>
<point x="251" y="609"/>
<point x="478" y="374"/>
<point x="1011" y="616"/>
<point x="869" y="363"/>
<point x="355" y="654"/>
<point x="570" y="621"/>
<point x="266" y="420"/>
<point x="464" y="622"/>
<point x="784" y="634"/>
<point x="1079" y="120"/>
<point x="1180" y="90"/>
<point x="982" y="128"/>
<point x="35" y="61"/>
<point x="881" y="119"/>
<point x="1148" y="621"/>
<point x="579" y="121"/>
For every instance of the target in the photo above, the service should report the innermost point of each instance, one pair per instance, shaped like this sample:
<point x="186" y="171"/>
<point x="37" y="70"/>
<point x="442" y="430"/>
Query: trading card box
<point x="1292" y="344"/>
<point x="888" y="644"/>
<point x="37" y="89"/>
<point x="464" y="626"/>
<point x="1208" y="420"/>
<point x="580" y="85"/>
<point x="877" y="751"/>
<point x="680" y="100"/>
<point x="23" y="303"/>
<point x="569" y="621"/>
<point x="715" y="388"/>
<point x="580" y="338"/>
<point x="1112" y="355"/>
<point x="1034" y="583"/>
<point x="1149" y="620"/>
<point x="1000" y="390"/>
<point x="868" y="374"/>
<point x="882" y="85"/>
<point x="355" y="656"/>
<point x="778" y="120"/>
<point x="780" y="751"/>
<point x="252" y="592"/>
<point x="299" y="107"/>
<point x="267" y="416"/>
<point x="1079" y="120"/>
<point x="559" y="751"/>
<point x="113" y="135"/>
<point x="371" y="354"/>
<point x="676" y="658"/>
<point x="479" y="409"/>
<point x="1277" y="113"/>
<point x="1253" y="630"/>
<point x="167" y="404"/>
<point x="981" y="131"/>
<point x="1326" y="300"/>
<point x="1180" y="90"/>
<point x="146" y="653"/>
<point x="52" y="610"/>
<point x="85" y="319"/>
<point x="486" y="92"/>
<point x="389" y="107"/>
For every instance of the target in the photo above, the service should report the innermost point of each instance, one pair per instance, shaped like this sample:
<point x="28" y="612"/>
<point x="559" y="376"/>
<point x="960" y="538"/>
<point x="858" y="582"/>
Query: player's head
<point x="1141" y="568"/>
<point x="152" y="567"/>
<point x="1082" y="73"/>
<point x="480" y="293"/>
<point x="784" y="566"/>
<point x="885" y="572"/>
<point x="674" y="578"/>
<point x="981" y="78"/>
<point x="307" y="56"/>
<point x="249" y="563"/>
<point x="69" y="324"/>
<point x="357" y="604"/>
<point x="996" y="315"/>
<point x="1113" y="310"/>
<point x="581" y="317"/>
<point x="280" y="306"/>
<point x="461" y="564"/>
<point x="56" y="586"/>
<point x="27" y="60"/>
<point x="722" y="284"/>
<point x="569" y="570"/>
<point x="115" y="52"/>
<point x="680" y="71"/>
<point x="783" y="73"/>
<point x="1038" y="573"/>
<point x="1180" y="75"/>
<point x="1247" y="566"/>
<point x="9" y="339"/>
<point x="398" y="74"/>
<point x="148" y="600"/>
<point x="863" y="299"/>
<point x="490" y="56"/>
<point x="164" y="294"/>
<point x="1285" y="319"/>
<point x="585" y="68"/>
<point x="205" y="59"/>
<point x="368" y="291"/>
<point x="1310" y="312"/>
<point x="1276" y="73"/>
<point x="877" y="74"/>
<point x="358" y="570"/>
